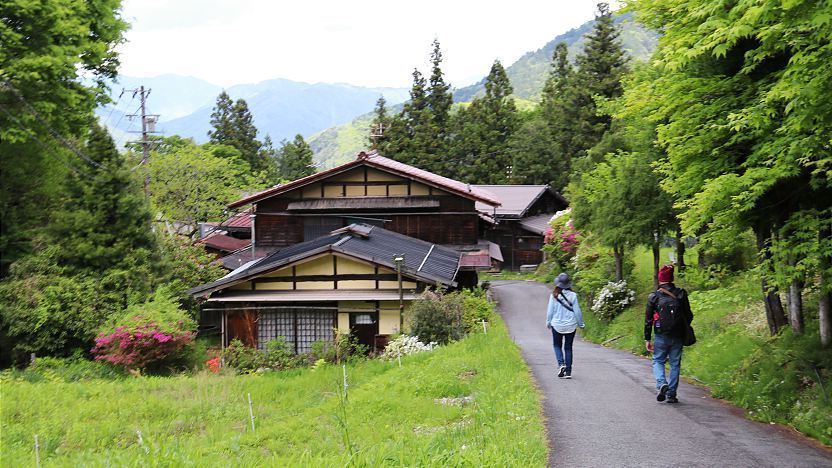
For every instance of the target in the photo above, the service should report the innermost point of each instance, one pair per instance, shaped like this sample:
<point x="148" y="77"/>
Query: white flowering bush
<point x="405" y="345"/>
<point x="612" y="300"/>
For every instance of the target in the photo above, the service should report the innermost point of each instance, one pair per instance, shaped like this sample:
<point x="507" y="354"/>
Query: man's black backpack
<point x="668" y="312"/>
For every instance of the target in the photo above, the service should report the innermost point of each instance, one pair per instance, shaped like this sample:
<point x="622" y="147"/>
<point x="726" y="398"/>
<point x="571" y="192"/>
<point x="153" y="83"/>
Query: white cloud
<point x="367" y="42"/>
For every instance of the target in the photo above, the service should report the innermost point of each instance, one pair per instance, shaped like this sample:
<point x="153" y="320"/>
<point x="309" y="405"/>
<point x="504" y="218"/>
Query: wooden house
<point x="372" y="190"/>
<point x="345" y="280"/>
<point x="519" y="224"/>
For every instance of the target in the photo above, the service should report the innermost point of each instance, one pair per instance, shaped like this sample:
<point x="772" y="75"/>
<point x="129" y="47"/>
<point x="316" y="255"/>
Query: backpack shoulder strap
<point x="665" y="291"/>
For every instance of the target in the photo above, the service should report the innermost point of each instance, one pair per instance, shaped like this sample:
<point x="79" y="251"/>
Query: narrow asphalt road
<point x="607" y="415"/>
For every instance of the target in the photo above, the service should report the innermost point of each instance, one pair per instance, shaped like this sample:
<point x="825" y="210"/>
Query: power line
<point x="48" y="150"/>
<point x="54" y="133"/>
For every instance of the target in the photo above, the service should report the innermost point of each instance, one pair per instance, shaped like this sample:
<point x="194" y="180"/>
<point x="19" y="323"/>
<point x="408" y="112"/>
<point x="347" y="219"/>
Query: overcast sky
<point x="361" y="42"/>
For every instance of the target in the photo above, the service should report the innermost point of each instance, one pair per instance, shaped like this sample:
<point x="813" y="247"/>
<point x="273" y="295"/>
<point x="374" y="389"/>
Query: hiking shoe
<point x="662" y="393"/>
<point x="672" y="399"/>
<point x="561" y="371"/>
<point x="568" y="375"/>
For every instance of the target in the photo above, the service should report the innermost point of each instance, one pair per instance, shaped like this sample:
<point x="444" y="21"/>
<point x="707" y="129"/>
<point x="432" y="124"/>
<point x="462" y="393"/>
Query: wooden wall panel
<point x="278" y="230"/>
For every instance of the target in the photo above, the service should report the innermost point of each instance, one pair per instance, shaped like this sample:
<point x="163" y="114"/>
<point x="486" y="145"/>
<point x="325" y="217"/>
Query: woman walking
<point x="563" y="317"/>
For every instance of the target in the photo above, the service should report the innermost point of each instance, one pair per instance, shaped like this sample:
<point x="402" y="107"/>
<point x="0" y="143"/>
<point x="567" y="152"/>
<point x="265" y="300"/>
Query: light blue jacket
<point x="560" y="317"/>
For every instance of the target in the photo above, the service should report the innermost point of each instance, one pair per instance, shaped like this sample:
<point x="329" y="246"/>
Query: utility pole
<point x="148" y="127"/>
<point x="377" y="132"/>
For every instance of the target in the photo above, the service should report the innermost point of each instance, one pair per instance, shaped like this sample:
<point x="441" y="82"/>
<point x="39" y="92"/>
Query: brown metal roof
<point x="375" y="160"/>
<point x="224" y="243"/>
<point x="516" y="199"/>
<point x="537" y="224"/>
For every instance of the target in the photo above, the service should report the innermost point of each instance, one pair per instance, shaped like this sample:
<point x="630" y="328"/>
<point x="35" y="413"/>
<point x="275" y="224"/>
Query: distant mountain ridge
<point x="527" y="75"/>
<point x="281" y="108"/>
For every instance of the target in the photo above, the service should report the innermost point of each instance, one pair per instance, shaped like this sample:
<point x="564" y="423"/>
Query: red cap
<point x="666" y="274"/>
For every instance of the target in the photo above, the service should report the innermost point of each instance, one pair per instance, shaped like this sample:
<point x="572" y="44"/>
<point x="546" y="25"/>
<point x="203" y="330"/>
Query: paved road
<point x="607" y="415"/>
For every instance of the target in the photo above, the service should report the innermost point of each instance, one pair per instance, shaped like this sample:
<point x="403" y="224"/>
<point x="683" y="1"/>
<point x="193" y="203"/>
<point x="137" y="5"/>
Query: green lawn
<point x="391" y="417"/>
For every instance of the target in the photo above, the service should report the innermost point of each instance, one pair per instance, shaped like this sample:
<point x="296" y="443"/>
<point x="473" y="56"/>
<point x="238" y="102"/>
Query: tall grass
<point x="392" y="416"/>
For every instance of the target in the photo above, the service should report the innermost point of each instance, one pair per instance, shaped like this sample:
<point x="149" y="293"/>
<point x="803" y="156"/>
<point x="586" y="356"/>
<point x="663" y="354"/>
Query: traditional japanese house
<point x="519" y="224"/>
<point x="377" y="191"/>
<point x="346" y="280"/>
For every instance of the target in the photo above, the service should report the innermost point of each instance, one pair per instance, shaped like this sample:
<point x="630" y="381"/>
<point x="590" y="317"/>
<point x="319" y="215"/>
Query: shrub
<point x="244" y="359"/>
<point x="343" y="348"/>
<point x="279" y="355"/>
<point x="150" y="335"/>
<point x="561" y="240"/>
<point x="594" y="266"/>
<point x="437" y="317"/>
<point x="612" y="300"/>
<point x="405" y="345"/>
<point x="476" y="308"/>
<point x="71" y="369"/>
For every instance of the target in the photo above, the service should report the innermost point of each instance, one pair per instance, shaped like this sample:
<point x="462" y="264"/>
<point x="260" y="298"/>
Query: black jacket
<point x="682" y="295"/>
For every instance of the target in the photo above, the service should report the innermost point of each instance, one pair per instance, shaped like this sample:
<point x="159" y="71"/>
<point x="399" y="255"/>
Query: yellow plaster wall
<point x="319" y="285"/>
<point x="333" y="191"/>
<point x="343" y="323"/>
<point x="355" y="175"/>
<point x="357" y="284"/>
<point x="398" y="190"/>
<point x="317" y="266"/>
<point x="242" y="286"/>
<point x="418" y="189"/>
<point x="355" y="190"/>
<point x="376" y="190"/>
<point x="276" y="286"/>
<point x="388" y="317"/>
<point x="312" y="191"/>
<point x="374" y="175"/>
<point x="279" y="273"/>
<point x="352" y="267"/>
<point x="395" y="285"/>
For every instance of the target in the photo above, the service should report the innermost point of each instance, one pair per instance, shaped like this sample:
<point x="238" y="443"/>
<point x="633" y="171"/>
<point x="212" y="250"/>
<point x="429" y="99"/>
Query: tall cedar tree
<point x="600" y="67"/>
<point x="380" y="126"/>
<point x="419" y="134"/>
<point x="482" y="133"/>
<point x="541" y="147"/>
<point x="233" y="125"/>
<point x="295" y="159"/>
<point x="43" y="104"/>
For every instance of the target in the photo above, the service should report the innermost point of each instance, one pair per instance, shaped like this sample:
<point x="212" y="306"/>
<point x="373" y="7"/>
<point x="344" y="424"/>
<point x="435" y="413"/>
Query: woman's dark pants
<point x="563" y="346"/>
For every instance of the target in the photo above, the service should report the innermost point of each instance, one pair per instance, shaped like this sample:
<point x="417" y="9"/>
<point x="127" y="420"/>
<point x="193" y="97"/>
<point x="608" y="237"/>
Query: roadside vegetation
<point x="471" y="402"/>
<point x="783" y="379"/>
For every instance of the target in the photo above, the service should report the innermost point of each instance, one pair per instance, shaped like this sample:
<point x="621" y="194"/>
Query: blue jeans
<point x="563" y="345"/>
<point x="667" y="348"/>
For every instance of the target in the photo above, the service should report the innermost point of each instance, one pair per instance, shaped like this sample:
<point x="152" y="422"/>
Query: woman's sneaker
<point x="672" y="399"/>
<point x="662" y="393"/>
<point x="568" y="375"/>
<point x="561" y="371"/>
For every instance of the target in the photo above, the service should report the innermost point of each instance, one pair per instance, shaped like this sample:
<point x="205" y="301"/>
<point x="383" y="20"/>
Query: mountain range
<point x="281" y="108"/>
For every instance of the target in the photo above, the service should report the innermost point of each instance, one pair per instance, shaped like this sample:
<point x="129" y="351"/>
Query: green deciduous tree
<point x="45" y="109"/>
<point x="192" y="183"/>
<point x="743" y="109"/>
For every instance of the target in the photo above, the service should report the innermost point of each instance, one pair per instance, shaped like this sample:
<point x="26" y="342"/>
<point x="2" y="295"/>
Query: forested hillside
<point x="527" y="75"/>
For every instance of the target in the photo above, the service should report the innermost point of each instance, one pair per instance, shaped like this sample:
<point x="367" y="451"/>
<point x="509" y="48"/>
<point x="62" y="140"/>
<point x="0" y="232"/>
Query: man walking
<point x="668" y="314"/>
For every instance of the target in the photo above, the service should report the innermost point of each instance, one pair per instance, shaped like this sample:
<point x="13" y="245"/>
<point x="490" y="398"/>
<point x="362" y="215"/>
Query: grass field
<point x="783" y="379"/>
<point x="392" y="415"/>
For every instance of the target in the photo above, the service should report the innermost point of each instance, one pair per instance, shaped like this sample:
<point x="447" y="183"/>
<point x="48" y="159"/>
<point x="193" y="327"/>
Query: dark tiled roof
<point x="425" y="261"/>
<point x="537" y="224"/>
<point x="375" y="160"/>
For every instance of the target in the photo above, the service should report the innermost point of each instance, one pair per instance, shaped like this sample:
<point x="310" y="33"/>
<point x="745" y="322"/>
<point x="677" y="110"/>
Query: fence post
<point x="251" y="412"/>
<point x="37" y="452"/>
<point x="346" y="386"/>
<point x="484" y="328"/>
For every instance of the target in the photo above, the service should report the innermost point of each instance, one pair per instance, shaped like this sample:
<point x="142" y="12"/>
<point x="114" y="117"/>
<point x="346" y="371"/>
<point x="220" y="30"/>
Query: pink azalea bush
<point x="561" y="240"/>
<point x="146" y="335"/>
